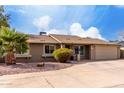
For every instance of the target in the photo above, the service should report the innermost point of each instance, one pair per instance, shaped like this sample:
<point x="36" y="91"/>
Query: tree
<point x="4" y="18"/>
<point x="121" y="36"/>
<point x="12" y="42"/>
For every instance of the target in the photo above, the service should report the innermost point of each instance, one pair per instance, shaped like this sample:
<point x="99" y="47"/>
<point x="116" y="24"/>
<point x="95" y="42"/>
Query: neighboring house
<point x="42" y="46"/>
<point x="121" y="43"/>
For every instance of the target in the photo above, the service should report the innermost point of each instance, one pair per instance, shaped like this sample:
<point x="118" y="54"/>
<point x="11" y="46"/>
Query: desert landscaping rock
<point x="31" y="67"/>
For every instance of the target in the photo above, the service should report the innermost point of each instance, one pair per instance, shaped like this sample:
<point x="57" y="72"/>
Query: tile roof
<point x="72" y="39"/>
<point x="67" y="39"/>
<point x="41" y="39"/>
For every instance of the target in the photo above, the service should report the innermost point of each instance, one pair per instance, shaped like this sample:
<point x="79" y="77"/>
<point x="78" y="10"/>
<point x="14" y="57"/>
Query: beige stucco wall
<point x="37" y="52"/>
<point x="96" y="52"/>
<point x="104" y="52"/>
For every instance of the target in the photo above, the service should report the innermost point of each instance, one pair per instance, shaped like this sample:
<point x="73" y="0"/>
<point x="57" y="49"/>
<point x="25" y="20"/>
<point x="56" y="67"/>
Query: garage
<point x="103" y="52"/>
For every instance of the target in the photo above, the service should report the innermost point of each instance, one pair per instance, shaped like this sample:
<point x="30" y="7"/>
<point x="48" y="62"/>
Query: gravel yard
<point x="31" y="67"/>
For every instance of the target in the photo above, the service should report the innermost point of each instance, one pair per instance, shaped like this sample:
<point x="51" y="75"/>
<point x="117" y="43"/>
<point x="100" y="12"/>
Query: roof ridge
<point x="55" y="38"/>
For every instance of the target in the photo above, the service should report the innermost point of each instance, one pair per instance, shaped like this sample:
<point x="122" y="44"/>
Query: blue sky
<point x="103" y="22"/>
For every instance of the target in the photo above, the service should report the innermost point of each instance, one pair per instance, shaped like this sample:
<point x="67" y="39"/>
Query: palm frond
<point x="11" y="40"/>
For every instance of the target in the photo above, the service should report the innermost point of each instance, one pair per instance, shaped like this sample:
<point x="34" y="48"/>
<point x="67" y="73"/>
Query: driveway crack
<point x="49" y="83"/>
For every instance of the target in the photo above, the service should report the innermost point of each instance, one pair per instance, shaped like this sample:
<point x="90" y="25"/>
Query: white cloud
<point x="75" y="28"/>
<point x="42" y="22"/>
<point x="56" y="31"/>
<point x="92" y="32"/>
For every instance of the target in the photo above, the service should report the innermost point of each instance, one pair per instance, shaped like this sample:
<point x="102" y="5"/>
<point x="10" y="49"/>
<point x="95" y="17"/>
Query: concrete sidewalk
<point x="90" y="75"/>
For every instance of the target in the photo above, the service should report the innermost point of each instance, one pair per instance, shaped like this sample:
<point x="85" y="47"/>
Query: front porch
<point x="80" y="52"/>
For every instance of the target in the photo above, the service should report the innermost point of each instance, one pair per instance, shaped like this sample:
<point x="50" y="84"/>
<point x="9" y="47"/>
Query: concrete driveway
<point x="90" y="74"/>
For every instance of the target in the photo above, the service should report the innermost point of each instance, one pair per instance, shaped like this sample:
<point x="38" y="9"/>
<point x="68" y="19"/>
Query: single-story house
<point x="42" y="46"/>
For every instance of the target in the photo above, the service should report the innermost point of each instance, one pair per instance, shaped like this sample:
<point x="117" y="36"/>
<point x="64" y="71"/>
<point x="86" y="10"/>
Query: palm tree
<point x="12" y="42"/>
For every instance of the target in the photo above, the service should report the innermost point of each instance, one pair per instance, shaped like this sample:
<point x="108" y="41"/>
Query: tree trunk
<point x="10" y="58"/>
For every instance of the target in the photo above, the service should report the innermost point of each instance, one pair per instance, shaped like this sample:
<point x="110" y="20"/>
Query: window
<point x="81" y="50"/>
<point x="49" y="49"/>
<point x="76" y="50"/>
<point x="21" y="53"/>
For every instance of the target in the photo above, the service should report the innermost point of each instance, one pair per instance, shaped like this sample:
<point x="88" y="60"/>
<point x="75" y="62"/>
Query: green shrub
<point x="62" y="54"/>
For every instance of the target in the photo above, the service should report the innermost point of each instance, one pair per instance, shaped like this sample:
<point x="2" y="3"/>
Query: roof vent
<point x="88" y="37"/>
<point x="42" y="33"/>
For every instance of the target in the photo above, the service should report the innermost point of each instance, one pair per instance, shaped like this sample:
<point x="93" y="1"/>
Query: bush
<point x="62" y="54"/>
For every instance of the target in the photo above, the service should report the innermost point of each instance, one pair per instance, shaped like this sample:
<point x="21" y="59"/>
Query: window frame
<point x="74" y="49"/>
<point x="26" y="53"/>
<point x="79" y="49"/>
<point x="83" y="50"/>
<point x="44" y="52"/>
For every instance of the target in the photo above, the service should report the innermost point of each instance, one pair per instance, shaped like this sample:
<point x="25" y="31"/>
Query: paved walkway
<point x="91" y="74"/>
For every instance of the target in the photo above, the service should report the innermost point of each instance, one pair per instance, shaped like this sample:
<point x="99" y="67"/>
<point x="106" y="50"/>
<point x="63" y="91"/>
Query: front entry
<point x="81" y="52"/>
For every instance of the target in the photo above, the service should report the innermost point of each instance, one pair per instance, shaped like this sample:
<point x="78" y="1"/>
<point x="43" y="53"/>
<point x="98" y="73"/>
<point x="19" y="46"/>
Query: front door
<point x="79" y="52"/>
<point x="76" y="50"/>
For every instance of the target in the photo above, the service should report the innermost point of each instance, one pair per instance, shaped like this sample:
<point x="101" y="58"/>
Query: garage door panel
<point x="106" y="52"/>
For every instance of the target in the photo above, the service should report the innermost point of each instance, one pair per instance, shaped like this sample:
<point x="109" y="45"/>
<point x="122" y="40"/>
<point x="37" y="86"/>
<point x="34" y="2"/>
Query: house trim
<point x="55" y="39"/>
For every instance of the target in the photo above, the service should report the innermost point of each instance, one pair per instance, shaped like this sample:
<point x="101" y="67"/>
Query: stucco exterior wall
<point x="36" y="50"/>
<point x="104" y="52"/>
<point x="95" y="52"/>
<point x="23" y="59"/>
